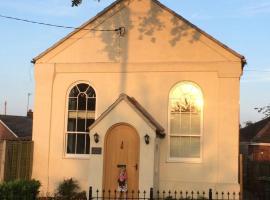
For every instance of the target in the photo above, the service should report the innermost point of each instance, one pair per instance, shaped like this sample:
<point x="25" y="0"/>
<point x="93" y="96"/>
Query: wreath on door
<point x="122" y="180"/>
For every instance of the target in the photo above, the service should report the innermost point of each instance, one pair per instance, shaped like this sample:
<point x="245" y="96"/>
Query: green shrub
<point x="19" y="189"/>
<point x="69" y="189"/>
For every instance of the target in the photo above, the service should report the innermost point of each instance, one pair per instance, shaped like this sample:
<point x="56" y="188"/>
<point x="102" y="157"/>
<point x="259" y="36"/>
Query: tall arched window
<point x="185" y="116"/>
<point x="81" y="114"/>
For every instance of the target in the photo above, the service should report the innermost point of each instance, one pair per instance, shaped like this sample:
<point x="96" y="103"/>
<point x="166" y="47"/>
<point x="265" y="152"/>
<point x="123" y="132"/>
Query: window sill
<point x="77" y="156"/>
<point x="184" y="160"/>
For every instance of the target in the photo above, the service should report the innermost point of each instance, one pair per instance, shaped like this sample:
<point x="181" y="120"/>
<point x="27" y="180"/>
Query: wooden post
<point x="151" y="193"/>
<point x="241" y="176"/>
<point x="2" y="159"/>
<point x="20" y="150"/>
<point x="90" y="196"/>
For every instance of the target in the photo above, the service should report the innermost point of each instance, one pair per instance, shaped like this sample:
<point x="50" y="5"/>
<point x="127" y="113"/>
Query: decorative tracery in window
<point x="81" y="114"/>
<point x="185" y="113"/>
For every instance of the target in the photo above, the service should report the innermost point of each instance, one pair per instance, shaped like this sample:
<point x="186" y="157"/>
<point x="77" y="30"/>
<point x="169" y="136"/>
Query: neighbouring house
<point x="255" y="140"/>
<point x="16" y="147"/>
<point x="255" y="148"/>
<point x="16" y="127"/>
<point x="138" y="87"/>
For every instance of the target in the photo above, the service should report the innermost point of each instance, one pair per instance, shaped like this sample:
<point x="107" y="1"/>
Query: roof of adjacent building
<point x="160" y="131"/>
<point x="243" y="60"/>
<point x="21" y="126"/>
<point x="258" y="132"/>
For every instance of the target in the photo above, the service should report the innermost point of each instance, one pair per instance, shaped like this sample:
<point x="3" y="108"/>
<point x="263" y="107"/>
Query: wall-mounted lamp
<point x="96" y="137"/>
<point x="147" y="139"/>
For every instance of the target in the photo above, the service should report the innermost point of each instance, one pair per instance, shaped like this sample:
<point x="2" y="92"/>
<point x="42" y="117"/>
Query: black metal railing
<point x="151" y="194"/>
<point x="162" y="195"/>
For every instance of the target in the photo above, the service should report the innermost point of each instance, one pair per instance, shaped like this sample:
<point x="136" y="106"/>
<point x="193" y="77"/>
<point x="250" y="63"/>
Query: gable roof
<point x="160" y="131"/>
<point x="263" y="136"/>
<point x="20" y="126"/>
<point x="256" y="132"/>
<point x="243" y="60"/>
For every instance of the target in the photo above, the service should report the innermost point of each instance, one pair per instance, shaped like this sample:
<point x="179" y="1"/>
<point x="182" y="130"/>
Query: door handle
<point x="136" y="166"/>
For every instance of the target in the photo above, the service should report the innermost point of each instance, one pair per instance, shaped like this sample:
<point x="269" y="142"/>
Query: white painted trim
<point x="77" y="156"/>
<point x="184" y="160"/>
<point x="259" y="144"/>
<point x="8" y="128"/>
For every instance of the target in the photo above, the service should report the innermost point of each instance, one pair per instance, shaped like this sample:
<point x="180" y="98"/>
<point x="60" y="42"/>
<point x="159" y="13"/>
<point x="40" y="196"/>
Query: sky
<point x="243" y="25"/>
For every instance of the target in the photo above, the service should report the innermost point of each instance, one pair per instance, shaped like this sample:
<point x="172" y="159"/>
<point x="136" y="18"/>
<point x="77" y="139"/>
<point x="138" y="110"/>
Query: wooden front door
<point x="121" y="149"/>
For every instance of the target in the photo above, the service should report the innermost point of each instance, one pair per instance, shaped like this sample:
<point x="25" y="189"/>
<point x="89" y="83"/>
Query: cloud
<point x="200" y="16"/>
<point x="257" y="8"/>
<point x="256" y="76"/>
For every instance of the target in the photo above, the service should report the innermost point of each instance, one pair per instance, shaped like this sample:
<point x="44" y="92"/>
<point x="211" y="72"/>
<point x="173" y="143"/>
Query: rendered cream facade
<point x="157" y="51"/>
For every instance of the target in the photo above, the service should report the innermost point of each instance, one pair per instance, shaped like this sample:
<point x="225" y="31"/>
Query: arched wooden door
<point x="121" y="149"/>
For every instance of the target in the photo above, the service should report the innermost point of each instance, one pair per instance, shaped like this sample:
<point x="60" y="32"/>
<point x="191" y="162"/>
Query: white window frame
<point x="66" y="132"/>
<point x="184" y="159"/>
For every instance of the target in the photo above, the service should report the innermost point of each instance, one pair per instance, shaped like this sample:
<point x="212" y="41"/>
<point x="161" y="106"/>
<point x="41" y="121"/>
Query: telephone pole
<point x="28" y="96"/>
<point x="5" y="108"/>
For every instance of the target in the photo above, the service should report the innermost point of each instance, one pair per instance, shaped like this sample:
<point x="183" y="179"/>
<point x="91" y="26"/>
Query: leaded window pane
<point x="91" y="92"/>
<point x="195" y="147"/>
<point x="74" y="92"/>
<point x="72" y="104"/>
<point x="174" y="147"/>
<point x="87" y="144"/>
<point x="71" y="143"/>
<point x="82" y="101"/>
<point x="185" y="123"/>
<point x="195" y="122"/>
<point x="179" y="146"/>
<point x="185" y="146"/>
<point x="82" y="87"/>
<point x="175" y="123"/>
<point x="89" y="122"/>
<point x="81" y="143"/>
<point x="81" y="125"/>
<point x="71" y="124"/>
<point x="91" y="103"/>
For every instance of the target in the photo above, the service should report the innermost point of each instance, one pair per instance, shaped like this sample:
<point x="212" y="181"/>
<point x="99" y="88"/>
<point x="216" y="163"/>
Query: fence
<point x="256" y="169"/>
<point x="162" y="195"/>
<point x="257" y="179"/>
<point x="16" y="160"/>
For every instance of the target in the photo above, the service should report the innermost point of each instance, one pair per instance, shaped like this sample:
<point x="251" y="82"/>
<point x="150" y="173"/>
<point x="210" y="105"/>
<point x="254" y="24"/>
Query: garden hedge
<point x="19" y="190"/>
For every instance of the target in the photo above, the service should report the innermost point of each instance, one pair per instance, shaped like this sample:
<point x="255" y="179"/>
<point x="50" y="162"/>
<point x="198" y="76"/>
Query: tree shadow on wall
<point x="153" y="23"/>
<point x="149" y="26"/>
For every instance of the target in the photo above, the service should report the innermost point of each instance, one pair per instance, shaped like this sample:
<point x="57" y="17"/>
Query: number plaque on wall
<point x="96" y="150"/>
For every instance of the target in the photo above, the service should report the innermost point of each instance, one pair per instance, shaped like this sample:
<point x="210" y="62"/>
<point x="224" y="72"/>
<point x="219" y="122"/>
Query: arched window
<point x="81" y="114"/>
<point x="185" y="116"/>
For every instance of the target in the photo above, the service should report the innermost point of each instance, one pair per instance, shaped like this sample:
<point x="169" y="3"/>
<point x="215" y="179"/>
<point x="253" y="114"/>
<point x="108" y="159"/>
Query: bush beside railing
<point x="19" y="189"/>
